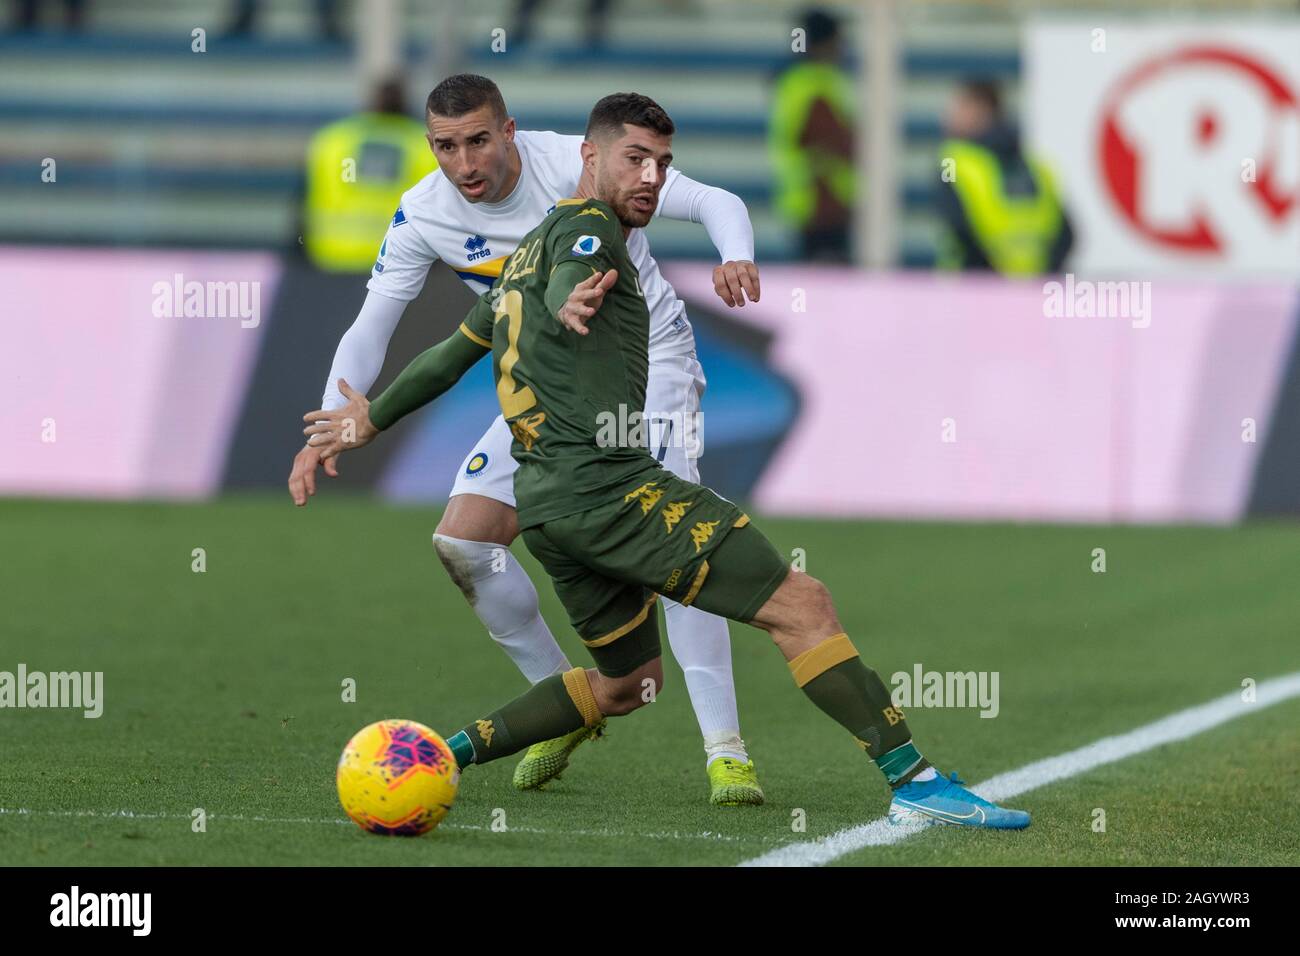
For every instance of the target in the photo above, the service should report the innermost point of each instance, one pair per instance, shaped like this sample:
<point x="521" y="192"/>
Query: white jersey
<point x="434" y="221"/>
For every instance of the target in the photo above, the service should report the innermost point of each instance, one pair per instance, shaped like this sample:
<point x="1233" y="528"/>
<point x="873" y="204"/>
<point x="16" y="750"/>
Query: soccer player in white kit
<point x="493" y="185"/>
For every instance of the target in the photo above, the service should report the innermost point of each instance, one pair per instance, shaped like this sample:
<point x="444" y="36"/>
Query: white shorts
<point x="672" y="413"/>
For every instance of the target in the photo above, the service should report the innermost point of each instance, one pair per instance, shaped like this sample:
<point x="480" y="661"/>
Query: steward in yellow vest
<point x="811" y="140"/>
<point x="357" y="170"/>
<point x="999" y="209"/>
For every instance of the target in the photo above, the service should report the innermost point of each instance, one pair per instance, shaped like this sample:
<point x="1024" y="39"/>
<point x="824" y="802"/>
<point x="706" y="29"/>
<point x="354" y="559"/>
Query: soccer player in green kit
<point x="567" y="327"/>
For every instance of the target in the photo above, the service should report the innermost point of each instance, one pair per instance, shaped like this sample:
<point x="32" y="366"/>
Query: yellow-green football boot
<point x="545" y="761"/>
<point x="734" y="783"/>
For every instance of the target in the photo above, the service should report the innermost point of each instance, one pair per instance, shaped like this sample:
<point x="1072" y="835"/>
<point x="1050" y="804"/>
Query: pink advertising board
<point x="977" y="398"/>
<point x="126" y="369"/>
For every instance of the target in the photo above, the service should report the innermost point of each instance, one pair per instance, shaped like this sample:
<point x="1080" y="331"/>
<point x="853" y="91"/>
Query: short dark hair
<point x="464" y="93"/>
<point x="820" y="26"/>
<point x="610" y="114"/>
<point x="984" y="90"/>
<point x="389" y="96"/>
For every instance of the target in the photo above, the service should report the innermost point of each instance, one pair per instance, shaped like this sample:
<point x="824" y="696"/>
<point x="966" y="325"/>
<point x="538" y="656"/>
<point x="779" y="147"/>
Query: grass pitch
<point x="223" y="692"/>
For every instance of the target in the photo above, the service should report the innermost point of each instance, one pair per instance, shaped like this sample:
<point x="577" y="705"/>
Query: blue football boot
<point x="947" y="801"/>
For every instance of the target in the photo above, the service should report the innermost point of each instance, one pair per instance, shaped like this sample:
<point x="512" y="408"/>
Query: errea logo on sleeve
<point x="586" y="245"/>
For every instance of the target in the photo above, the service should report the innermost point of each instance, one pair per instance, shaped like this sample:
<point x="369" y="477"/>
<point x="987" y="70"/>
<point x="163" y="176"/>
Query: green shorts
<point x="664" y="536"/>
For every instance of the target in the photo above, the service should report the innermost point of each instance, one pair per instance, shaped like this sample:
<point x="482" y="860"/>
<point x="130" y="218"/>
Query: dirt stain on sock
<point x="458" y="567"/>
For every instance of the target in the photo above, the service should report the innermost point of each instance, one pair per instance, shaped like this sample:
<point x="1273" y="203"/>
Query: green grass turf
<point x="223" y="692"/>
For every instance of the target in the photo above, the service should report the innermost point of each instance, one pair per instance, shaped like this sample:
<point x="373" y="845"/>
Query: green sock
<point x="544" y="711"/>
<point x="901" y="764"/>
<point x="835" y="679"/>
<point x="461" y="749"/>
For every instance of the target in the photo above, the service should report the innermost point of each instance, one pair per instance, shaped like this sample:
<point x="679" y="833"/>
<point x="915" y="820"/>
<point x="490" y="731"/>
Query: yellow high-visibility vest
<point x="357" y="170"/>
<point x="796" y="167"/>
<point x="1015" y="232"/>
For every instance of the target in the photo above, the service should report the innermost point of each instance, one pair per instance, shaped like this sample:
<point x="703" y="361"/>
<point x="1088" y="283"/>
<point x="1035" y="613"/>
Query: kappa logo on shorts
<point x="477" y="465"/>
<point x="648" y="494"/>
<point x="525" y="429"/>
<point x="673" y="512"/>
<point x="702" y="532"/>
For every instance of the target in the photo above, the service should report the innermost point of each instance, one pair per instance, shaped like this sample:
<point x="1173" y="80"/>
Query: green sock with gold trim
<point x="835" y="679"/>
<point x="546" y="710"/>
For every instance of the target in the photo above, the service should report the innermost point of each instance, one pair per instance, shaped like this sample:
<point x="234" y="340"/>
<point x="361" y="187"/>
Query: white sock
<point x="504" y="599"/>
<point x="725" y="743"/>
<point x="929" y="773"/>
<point x="702" y="646"/>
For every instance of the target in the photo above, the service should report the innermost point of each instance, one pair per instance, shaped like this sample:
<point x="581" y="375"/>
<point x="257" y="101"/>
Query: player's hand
<point x="302" y="479"/>
<point x="343" y="429"/>
<point x="735" y="280"/>
<point x="585" y="299"/>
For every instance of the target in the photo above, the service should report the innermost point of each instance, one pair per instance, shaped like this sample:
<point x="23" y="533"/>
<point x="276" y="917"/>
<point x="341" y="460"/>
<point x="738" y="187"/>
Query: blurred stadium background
<point x="207" y="150"/>
<point x="129" y="159"/>
<point x="1021" y="416"/>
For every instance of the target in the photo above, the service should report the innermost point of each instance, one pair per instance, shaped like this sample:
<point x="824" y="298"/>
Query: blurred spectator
<point x="810" y="137"/>
<point x="247" y="12"/>
<point x="1000" y="209"/>
<point x="597" y="21"/>
<point x="28" y="15"/>
<point x="357" y="170"/>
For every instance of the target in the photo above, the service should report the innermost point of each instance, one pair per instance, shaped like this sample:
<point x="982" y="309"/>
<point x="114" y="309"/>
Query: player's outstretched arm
<point x="433" y="372"/>
<point x="726" y="219"/>
<point x="358" y="358"/>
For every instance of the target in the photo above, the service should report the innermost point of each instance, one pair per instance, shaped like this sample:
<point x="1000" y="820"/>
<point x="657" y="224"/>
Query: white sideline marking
<point x="709" y="835"/>
<point x="1179" y="726"/>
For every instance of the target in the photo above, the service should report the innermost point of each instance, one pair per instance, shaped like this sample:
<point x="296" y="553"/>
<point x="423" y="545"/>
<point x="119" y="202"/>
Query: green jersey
<point x="568" y="397"/>
<point x="611" y="527"/>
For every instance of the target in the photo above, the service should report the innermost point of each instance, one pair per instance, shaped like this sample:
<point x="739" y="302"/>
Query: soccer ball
<point x="397" y="778"/>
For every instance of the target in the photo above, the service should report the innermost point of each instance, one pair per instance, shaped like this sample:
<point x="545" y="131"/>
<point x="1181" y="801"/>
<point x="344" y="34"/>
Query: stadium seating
<point x="160" y="145"/>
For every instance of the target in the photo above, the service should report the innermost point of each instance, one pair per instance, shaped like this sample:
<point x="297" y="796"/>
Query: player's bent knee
<point x="617" y="696"/>
<point x="473" y="566"/>
<point x="459" y="558"/>
<point x="817" y="608"/>
<point x="479" y="518"/>
<point x="820" y="603"/>
<point x="800" y="609"/>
